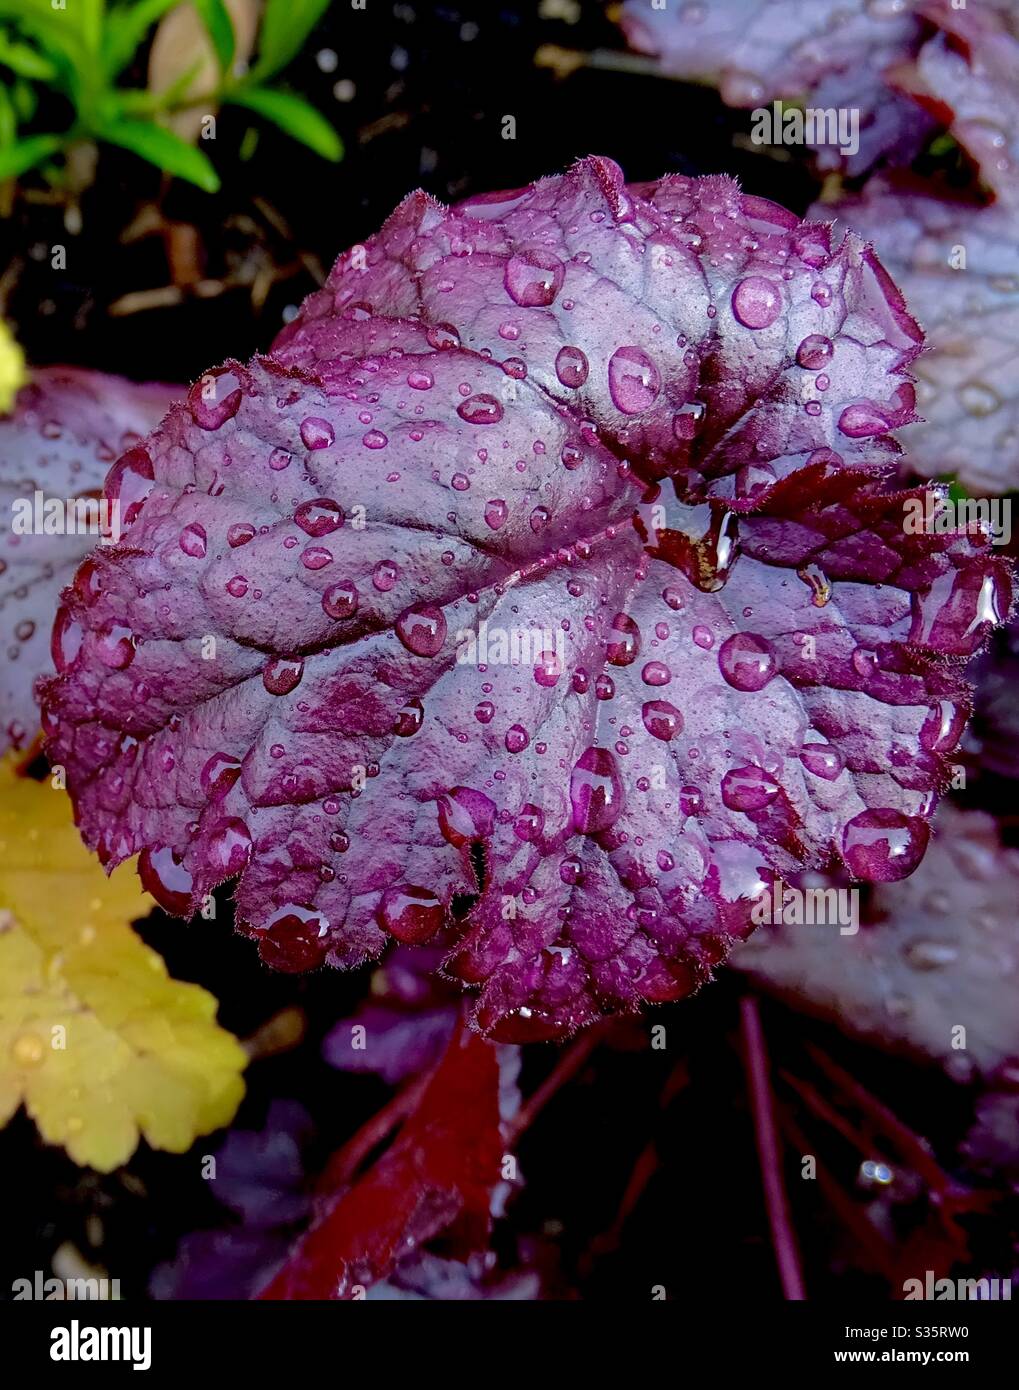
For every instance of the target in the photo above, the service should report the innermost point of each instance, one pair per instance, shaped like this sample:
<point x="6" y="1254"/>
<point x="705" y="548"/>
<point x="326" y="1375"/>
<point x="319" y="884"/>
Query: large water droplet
<point x="340" y="600"/>
<point x="533" y="278"/>
<point x="410" y="913"/>
<point x="634" y="380"/>
<point x="129" y="482"/>
<point x="481" y="409"/>
<point x="293" y="939"/>
<point x="465" y="815"/>
<point x="623" y="646"/>
<point x="317" y="433"/>
<point x="422" y="629"/>
<point x="496" y="512"/>
<point x="229" y="847"/>
<point x="883" y="845"/>
<point x="756" y="302"/>
<point x="748" y="789"/>
<point x="219" y="774"/>
<point x="282" y="675"/>
<point x="571" y="367"/>
<point x="319" y="517"/>
<point x="822" y="760"/>
<point x="192" y="540"/>
<point x="215" y="398"/>
<point x="163" y="874"/>
<point x="815" y="352"/>
<point x="662" y="720"/>
<point x="596" y="791"/>
<point x="747" y="661"/>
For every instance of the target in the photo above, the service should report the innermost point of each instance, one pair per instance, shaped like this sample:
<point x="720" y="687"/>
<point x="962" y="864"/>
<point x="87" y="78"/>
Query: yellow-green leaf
<point x="96" y="1040"/>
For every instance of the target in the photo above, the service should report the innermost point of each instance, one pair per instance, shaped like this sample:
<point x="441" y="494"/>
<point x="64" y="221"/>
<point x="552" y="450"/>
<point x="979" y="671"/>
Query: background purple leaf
<point x="67" y="427"/>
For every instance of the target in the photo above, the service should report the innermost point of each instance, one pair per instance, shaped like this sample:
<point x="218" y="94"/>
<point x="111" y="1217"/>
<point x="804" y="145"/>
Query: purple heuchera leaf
<point x="965" y="77"/>
<point x="67" y="428"/>
<point x="636" y="439"/>
<point x="821" y="53"/>
<point x="967" y="391"/>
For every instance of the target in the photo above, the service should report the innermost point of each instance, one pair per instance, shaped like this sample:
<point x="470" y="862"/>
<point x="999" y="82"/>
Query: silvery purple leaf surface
<point x="543" y="595"/>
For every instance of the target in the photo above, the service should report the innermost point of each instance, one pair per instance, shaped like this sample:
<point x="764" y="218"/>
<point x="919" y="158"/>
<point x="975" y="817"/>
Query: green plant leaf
<point x="25" y="154"/>
<point x="293" y="115"/>
<point x="285" y="26"/>
<point x="220" y="28"/>
<point x="162" y="148"/>
<point x="126" y="30"/>
<point x="25" y="60"/>
<point x="8" y="120"/>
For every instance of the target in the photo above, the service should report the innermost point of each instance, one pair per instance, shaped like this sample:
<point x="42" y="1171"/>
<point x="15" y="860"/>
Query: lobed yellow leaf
<point x="96" y="1040"/>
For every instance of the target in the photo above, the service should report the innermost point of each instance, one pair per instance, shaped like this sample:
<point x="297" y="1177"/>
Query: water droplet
<point x="930" y="955"/>
<point x="442" y="337"/>
<point x="943" y="726"/>
<point x="219" y="774"/>
<point x="748" y="789"/>
<point x="662" y="720"/>
<point x="422" y="629"/>
<point x="163" y="874"/>
<point x="316" y="557"/>
<point x="883" y="845"/>
<point x="282" y="675"/>
<point x="571" y="367"/>
<point x="747" y="661"/>
<point x="317" y="433"/>
<point x="517" y="738"/>
<point x="319" y="517"/>
<point x="978" y="399"/>
<point x="547" y="669"/>
<point x="115" y="646"/>
<point x="375" y="439"/>
<point x="529" y="824"/>
<point x="596" y="791"/>
<point x="815" y="352"/>
<point x="634" y="380"/>
<point x="419" y="380"/>
<point x="533" y="278"/>
<point x="822" y="760"/>
<point x="65" y="642"/>
<point x="496" y="512"/>
<point x="570" y="870"/>
<point x="756" y="302"/>
<point x="480" y="410"/>
<point x="385" y="575"/>
<point x="237" y="587"/>
<point x="623" y="645"/>
<point x="240" y="534"/>
<point x="411" y="914"/>
<point x="691" y="801"/>
<point x="279" y="459"/>
<point x="192" y="540"/>
<point x="656" y="673"/>
<point x="229" y="847"/>
<point x="129" y="482"/>
<point x="292" y="940"/>
<point x="215" y="398"/>
<point x="409" y="719"/>
<point x="703" y="637"/>
<point x="340" y="600"/>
